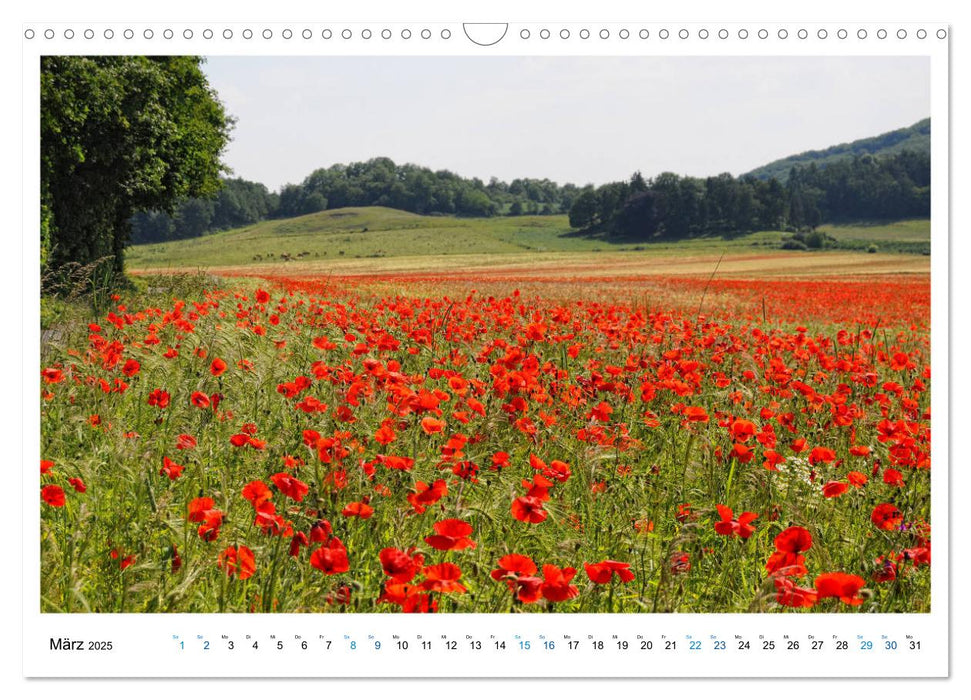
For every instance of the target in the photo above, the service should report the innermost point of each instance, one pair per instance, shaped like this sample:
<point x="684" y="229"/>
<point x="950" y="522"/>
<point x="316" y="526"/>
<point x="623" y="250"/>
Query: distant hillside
<point x="356" y="237"/>
<point x="912" y="138"/>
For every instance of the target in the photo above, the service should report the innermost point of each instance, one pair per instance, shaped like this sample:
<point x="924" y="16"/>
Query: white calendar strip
<point x="486" y="645"/>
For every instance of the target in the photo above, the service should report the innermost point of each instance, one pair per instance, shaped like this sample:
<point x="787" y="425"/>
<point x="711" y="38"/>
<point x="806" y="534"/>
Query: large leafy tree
<point x="121" y="134"/>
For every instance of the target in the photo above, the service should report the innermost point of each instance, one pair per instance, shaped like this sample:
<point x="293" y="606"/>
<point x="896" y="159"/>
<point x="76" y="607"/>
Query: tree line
<point x="376" y="182"/>
<point x="669" y="206"/>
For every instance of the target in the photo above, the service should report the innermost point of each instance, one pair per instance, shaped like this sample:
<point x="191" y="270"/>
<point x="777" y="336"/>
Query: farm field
<point x="717" y="430"/>
<point x="378" y="238"/>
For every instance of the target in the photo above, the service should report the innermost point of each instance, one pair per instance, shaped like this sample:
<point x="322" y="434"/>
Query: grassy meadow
<point x="343" y="238"/>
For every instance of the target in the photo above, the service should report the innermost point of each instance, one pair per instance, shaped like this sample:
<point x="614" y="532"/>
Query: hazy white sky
<point x="570" y="119"/>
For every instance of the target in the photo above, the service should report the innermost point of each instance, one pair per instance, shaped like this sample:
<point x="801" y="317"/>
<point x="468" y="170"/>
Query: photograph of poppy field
<point x="661" y="394"/>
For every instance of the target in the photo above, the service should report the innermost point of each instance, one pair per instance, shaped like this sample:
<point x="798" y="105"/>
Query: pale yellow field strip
<point x="841" y="264"/>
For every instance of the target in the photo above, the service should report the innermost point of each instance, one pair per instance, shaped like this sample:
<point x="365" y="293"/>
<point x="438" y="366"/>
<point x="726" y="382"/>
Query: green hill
<point x="342" y="235"/>
<point x="362" y="232"/>
<point x="911" y="138"/>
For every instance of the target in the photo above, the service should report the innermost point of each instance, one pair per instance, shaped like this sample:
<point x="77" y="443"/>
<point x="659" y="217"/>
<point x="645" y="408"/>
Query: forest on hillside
<point x="669" y="206"/>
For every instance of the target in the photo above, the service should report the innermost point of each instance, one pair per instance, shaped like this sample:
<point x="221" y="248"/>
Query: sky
<point x="570" y="119"/>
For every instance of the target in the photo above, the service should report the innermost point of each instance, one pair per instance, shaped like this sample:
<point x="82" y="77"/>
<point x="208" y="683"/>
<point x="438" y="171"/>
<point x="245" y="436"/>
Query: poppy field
<point x="515" y="444"/>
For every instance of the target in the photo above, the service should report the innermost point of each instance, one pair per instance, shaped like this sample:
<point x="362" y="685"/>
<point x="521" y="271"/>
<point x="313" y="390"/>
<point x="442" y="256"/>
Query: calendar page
<point x="438" y="348"/>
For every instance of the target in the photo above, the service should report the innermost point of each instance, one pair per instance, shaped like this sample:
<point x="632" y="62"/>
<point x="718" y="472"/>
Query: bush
<point x="872" y="248"/>
<point x="815" y="240"/>
<point x="793" y="244"/>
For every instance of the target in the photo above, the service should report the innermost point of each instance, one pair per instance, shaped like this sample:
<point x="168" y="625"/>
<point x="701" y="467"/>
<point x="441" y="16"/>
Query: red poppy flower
<point x="331" y="558"/>
<point x="840" y="585"/>
<point x="400" y="566"/>
<point x="514" y="565"/>
<point x="899" y="361"/>
<point x="821" y="454"/>
<point x="556" y="583"/>
<point x="401" y="593"/>
<point x="528" y="509"/>
<point x="886" y="516"/>
<point x="558" y="471"/>
<point x="257" y="493"/>
<point x="385" y="434"/>
<point x="793" y="539"/>
<point x="240" y="562"/>
<point x="209" y="530"/>
<point x="270" y="522"/>
<point x="217" y="367"/>
<point x="918" y="556"/>
<point x="298" y="540"/>
<point x="198" y="507"/>
<point x="886" y="571"/>
<point x="425" y="495"/>
<point x="772" y="460"/>
<point x="200" y="400"/>
<point x="52" y="375"/>
<point x="77" y="484"/>
<point x="131" y="368"/>
<point x="893" y="477"/>
<point x="602" y="572"/>
<point x="679" y="563"/>
<point x="695" y="414"/>
<point x="451" y="534"/>
<point x="792" y="596"/>
<point x="262" y="296"/>
<point x="403" y="464"/>
<point x="159" y="398"/>
<point x="320" y="532"/>
<point x="856" y="478"/>
<point x="53" y="495"/>
<point x="185" y="442"/>
<point x="787" y="560"/>
<point x="170" y="469"/>
<point x="729" y="527"/>
<point x="358" y="509"/>
<point x="601" y="412"/>
<point x="500" y="460"/>
<point x="781" y="564"/>
<point x="538" y="488"/>
<point x="859" y="450"/>
<point x="290" y="486"/>
<point x="432" y="425"/>
<point x="45" y="466"/>
<point x="443" y="578"/>
<point x="528" y="589"/>
<point x="743" y="453"/>
<point x="742" y="430"/>
<point x="832" y="489"/>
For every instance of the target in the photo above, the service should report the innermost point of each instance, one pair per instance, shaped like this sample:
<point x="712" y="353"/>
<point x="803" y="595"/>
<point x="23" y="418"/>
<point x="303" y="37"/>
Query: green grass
<point x="379" y="232"/>
<point x="360" y="233"/>
<point x="907" y="236"/>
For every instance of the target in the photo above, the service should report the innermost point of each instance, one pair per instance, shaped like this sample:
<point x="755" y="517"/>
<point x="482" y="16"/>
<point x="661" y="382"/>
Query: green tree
<point x="121" y="134"/>
<point x="583" y="213"/>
